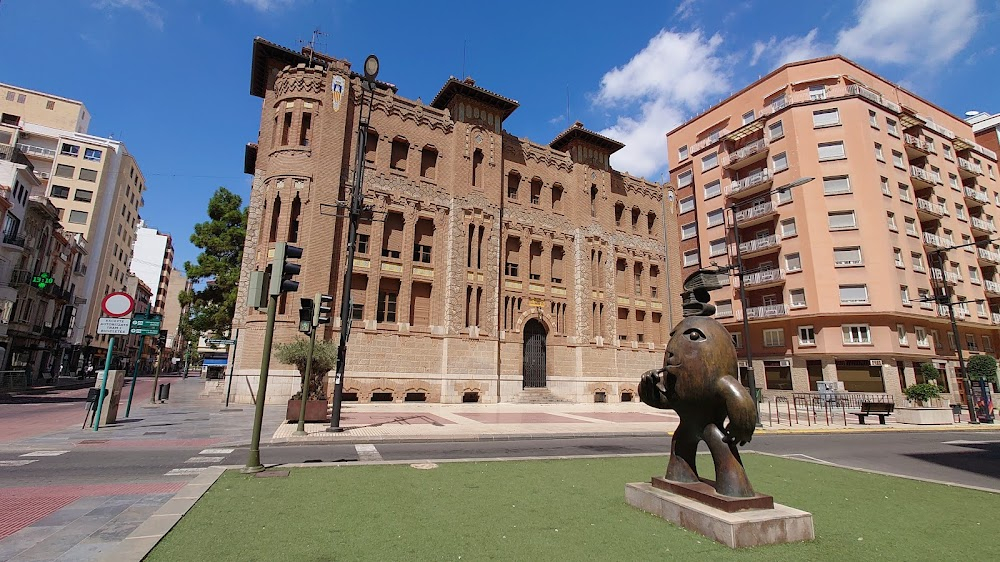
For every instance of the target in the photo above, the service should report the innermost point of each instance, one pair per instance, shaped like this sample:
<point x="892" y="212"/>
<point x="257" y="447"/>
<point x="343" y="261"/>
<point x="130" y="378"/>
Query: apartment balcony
<point x="763" y="278"/>
<point x="37" y="151"/>
<point x="948" y="277"/>
<point x="986" y="257"/>
<point x="995" y="317"/>
<point x="966" y="168"/>
<point x="992" y="287"/>
<point x="756" y="214"/>
<point x="960" y="313"/>
<point x="760" y="246"/>
<point x="922" y="178"/>
<point x="916" y="146"/>
<point x="975" y="197"/>
<point x="935" y="241"/>
<point x="858" y="90"/>
<point x="20" y="277"/>
<point x="14" y="239"/>
<point x="762" y="312"/>
<point x="929" y="210"/>
<point x="708" y="141"/>
<point x="982" y="226"/>
<point x="756" y="182"/>
<point x="746" y="155"/>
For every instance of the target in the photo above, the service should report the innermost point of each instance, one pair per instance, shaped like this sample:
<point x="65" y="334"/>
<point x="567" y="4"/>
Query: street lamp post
<point x="356" y="206"/>
<point x="751" y="380"/>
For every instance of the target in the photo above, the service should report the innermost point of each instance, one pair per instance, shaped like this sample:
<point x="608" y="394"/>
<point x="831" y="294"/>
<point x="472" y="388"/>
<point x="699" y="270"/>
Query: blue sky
<point x="171" y="77"/>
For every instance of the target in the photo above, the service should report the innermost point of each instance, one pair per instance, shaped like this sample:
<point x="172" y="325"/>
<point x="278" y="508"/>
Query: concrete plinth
<point x="756" y="527"/>
<point x="925" y="416"/>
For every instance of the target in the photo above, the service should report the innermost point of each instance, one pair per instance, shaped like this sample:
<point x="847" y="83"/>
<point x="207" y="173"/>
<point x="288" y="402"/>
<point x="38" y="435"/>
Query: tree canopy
<point x="217" y="269"/>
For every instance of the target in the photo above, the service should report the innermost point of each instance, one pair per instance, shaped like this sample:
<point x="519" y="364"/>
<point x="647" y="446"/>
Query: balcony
<point x="858" y="90"/>
<point x="753" y="152"/>
<point x="14" y="239"/>
<point x="930" y="210"/>
<point x="988" y="257"/>
<point x="995" y="317"/>
<point x="992" y="287"/>
<point x="15" y="155"/>
<point x="763" y="278"/>
<point x="755" y="214"/>
<point x="960" y="313"/>
<point x="37" y="151"/>
<point x="756" y="182"/>
<point x="948" y="277"/>
<point x="982" y="225"/>
<point x="916" y="146"/>
<point x="922" y="178"/>
<point x="80" y="269"/>
<point x="975" y="197"/>
<point x="966" y="168"/>
<point x="935" y="241"/>
<point x="20" y="277"/>
<point x="766" y="311"/>
<point x="760" y="245"/>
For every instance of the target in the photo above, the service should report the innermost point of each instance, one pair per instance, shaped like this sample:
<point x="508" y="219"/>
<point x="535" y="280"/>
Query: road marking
<point x="44" y="454"/>
<point x="967" y="442"/>
<point x="204" y="459"/>
<point x="216" y="451"/>
<point x="807" y="457"/>
<point x="367" y="452"/>
<point x="17" y="463"/>
<point x="186" y="471"/>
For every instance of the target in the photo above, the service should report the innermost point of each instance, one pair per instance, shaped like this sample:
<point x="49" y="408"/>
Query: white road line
<point x="807" y="457"/>
<point x="216" y="451"/>
<point x="17" y="463"/>
<point x="186" y="471"/>
<point x="367" y="452"/>
<point x="44" y="454"/>
<point x="204" y="459"/>
<point x="967" y="442"/>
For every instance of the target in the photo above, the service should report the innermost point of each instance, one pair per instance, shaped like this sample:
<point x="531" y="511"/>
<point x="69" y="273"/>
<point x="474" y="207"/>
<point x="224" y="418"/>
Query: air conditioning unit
<point x="785" y="363"/>
<point x="875" y="362"/>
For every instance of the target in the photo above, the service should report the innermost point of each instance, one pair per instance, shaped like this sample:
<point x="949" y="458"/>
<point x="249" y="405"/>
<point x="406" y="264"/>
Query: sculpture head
<point x="699" y="352"/>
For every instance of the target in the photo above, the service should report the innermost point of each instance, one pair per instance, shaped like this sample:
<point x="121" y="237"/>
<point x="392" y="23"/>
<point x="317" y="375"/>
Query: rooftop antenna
<point x="312" y="44"/>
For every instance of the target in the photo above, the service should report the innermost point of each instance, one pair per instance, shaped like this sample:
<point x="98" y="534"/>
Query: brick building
<point x="495" y="269"/>
<point x="840" y="272"/>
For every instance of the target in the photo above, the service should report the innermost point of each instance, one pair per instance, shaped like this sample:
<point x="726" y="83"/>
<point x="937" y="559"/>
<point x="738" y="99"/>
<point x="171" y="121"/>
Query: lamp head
<point x="371" y="67"/>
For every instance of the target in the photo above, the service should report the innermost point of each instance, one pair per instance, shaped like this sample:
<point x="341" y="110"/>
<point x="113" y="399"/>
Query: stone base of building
<point x="755" y="527"/>
<point x="925" y="416"/>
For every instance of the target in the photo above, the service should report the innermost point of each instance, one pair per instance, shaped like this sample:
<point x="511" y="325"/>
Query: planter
<point x="315" y="410"/>
<point x="924" y="416"/>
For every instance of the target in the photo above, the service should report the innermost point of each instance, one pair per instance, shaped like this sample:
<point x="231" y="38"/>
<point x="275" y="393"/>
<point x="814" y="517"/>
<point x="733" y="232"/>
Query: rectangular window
<point x="856" y="334"/>
<point x="92" y="154"/>
<point x="69" y="150"/>
<point x="421" y="253"/>
<point x="897" y="160"/>
<point x="776" y="130"/>
<point x="780" y="162"/>
<point x="901" y="334"/>
<point x="774" y="337"/>
<point x="873" y="119"/>
<point x="911" y="226"/>
<point x="716" y="217"/>
<point x="682" y="153"/>
<point x="831" y="151"/>
<point x="64" y="171"/>
<point x="78" y="217"/>
<point x="891" y="126"/>
<point x="847" y="256"/>
<point x="88" y="175"/>
<point x="959" y="211"/>
<point x="748" y="117"/>
<point x="724" y="309"/>
<point x="917" y="260"/>
<point x="904" y="295"/>
<point x="797" y="298"/>
<point x="737" y="340"/>
<point x="710" y="161"/>
<point x="854" y="294"/>
<point x="947" y="152"/>
<point x="793" y="262"/>
<point x="717" y="247"/>
<point x="59" y="191"/>
<point x="904" y="193"/>
<point x="826" y="118"/>
<point x="690" y="258"/>
<point x="842" y="220"/>
<point x="684" y="178"/>
<point x="884" y="182"/>
<point x="953" y="181"/>
<point x="836" y="185"/>
<point x="788" y="228"/>
<point x="817" y="93"/>
<point x="891" y="221"/>
<point x="897" y="256"/>
<point x="686" y="205"/>
<point x="713" y="189"/>
<point x="362" y="246"/>
<point x="878" y="152"/>
<point x="920" y="333"/>
<point x="83" y="195"/>
<point x="386" y="307"/>
<point x="807" y="335"/>
<point x="689" y="230"/>
<point x="974" y="274"/>
<point x="987" y="344"/>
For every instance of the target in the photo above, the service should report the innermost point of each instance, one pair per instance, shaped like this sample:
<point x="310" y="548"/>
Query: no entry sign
<point x="117" y="304"/>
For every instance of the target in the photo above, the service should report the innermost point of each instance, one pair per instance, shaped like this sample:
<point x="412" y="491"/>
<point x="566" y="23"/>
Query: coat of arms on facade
<point x="337" y="88"/>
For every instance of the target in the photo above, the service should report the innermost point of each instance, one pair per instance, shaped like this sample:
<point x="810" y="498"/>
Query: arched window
<point x="275" y="214"/>
<point x="477" y="165"/>
<point x="293" y="220"/>
<point x="428" y="162"/>
<point x="536" y="191"/>
<point x="619" y="211"/>
<point x="400" y="150"/>
<point x="635" y="218"/>
<point x="513" y="183"/>
<point x="651" y="221"/>
<point x="557" y="194"/>
<point x="371" y="145"/>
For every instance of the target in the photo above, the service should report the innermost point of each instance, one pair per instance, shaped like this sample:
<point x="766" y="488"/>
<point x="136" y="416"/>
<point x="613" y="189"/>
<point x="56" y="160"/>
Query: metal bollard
<point x="163" y="392"/>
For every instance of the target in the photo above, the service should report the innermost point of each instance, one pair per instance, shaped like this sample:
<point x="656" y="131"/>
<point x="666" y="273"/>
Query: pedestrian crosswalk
<point x="30" y="457"/>
<point x="367" y="452"/>
<point x="206" y="456"/>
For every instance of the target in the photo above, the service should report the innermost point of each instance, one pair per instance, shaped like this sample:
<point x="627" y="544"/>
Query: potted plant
<point x="921" y="394"/>
<point x="922" y="409"/>
<point x="324" y="360"/>
<point x="929" y="373"/>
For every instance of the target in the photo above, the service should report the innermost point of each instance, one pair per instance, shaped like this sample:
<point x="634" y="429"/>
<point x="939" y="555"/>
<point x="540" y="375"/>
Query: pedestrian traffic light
<point x="306" y="315"/>
<point x="282" y="271"/>
<point x="321" y="312"/>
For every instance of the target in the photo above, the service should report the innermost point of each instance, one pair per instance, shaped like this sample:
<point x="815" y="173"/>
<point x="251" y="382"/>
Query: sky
<point x="171" y="78"/>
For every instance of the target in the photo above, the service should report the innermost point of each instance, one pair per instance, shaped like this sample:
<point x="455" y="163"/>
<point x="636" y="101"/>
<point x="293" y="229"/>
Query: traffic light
<point x="321" y="312"/>
<point x="282" y="271"/>
<point x="306" y="315"/>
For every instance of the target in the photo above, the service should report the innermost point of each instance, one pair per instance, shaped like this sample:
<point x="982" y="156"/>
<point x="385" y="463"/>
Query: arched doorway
<point x="533" y="355"/>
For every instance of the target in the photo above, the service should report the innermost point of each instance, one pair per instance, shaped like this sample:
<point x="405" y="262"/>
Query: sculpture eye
<point x="694" y="334"/>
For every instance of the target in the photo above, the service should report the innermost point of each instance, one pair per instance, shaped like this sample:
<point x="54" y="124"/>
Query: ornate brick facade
<point x="476" y="235"/>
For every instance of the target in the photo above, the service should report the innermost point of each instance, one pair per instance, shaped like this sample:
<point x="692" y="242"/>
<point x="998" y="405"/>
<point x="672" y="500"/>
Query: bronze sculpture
<point x="697" y="382"/>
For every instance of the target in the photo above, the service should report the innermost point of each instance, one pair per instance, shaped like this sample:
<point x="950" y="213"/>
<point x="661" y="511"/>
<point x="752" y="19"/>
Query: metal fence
<point x="13" y="381"/>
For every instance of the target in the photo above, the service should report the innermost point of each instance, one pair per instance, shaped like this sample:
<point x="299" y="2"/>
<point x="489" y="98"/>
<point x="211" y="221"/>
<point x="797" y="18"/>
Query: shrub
<point x="922" y="392"/>
<point x="982" y="368"/>
<point x="929" y="372"/>
<point x="324" y="360"/>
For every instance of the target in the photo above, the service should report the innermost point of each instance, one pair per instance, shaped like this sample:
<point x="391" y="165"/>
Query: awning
<point x="214" y="362"/>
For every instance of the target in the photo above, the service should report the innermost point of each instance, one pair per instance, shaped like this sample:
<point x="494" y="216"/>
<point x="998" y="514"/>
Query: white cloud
<point x="909" y="31"/>
<point x="675" y="75"/>
<point x="149" y="10"/>
<point x="685" y="9"/>
<point x="789" y="49"/>
<point x="264" y="5"/>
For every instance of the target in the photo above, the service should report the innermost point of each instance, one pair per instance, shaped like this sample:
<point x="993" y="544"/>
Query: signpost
<point x="116" y="305"/>
<point x="143" y="325"/>
<point x="232" y="342"/>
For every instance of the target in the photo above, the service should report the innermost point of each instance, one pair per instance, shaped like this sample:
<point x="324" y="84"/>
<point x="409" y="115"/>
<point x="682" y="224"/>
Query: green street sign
<point x="42" y="280"/>
<point x="146" y="325"/>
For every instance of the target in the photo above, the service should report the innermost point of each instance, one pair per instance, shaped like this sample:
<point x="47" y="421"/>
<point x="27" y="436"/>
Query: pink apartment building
<point x="840" y="271"/>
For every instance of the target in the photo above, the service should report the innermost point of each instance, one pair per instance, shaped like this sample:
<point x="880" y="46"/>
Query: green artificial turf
<point x="561" y="510"/>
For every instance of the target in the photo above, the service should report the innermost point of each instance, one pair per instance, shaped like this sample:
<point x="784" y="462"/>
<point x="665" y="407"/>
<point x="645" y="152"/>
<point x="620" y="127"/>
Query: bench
<point x="880" y="409"/>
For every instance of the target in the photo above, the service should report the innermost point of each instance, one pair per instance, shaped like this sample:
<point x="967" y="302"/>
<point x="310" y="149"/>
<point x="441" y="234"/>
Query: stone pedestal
<point x="925" y="416"/>
<point x="109" y="409"/>
<point x="752" y="527"/>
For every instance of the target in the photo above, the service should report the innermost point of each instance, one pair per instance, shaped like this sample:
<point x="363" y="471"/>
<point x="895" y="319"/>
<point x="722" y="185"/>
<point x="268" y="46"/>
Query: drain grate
<point x="93" y="441"/>
<point x="155" y="433"/>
